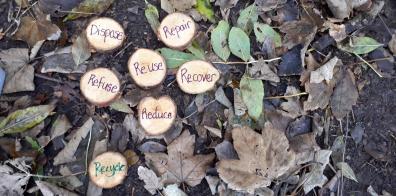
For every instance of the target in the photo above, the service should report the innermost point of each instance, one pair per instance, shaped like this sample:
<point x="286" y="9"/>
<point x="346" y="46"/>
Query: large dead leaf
<point x="262" y="71"/>
<point x="19" y="75"/>
<point x="325" y="72"/>
<point x="48" y="189"/>
<point x="293" y="106"/>
<point x="32" y="31"/>
<point x="297" y="32"/>
<point x="345" y="95"/>
<point x="14" y="182"/>
<point x="150" y="179"/>
<point x="319" y="95"/>
<point x="262" y="158"/>
<point x="180" y="165"/>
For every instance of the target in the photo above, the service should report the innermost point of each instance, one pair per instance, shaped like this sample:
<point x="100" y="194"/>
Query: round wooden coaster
<point x="105" y="34"/>
<point x="147" y="68"/>
<point x="100" y="86"/>
<point x="156" y="116"/>
<point x="177" y="30"/>
<point x="196" y="77"/>
<point x="108" y="170"/>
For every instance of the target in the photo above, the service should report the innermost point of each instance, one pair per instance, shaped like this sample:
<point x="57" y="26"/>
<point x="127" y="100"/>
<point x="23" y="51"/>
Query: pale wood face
<point x="105" y="34"/>
<point x="108" y="170"/>
<point x="196" y="77"/>
<point x="177" y="30"/>
<point x="100" y="86"/>
<point x="156" y="116"/>
<point x="147" y="68"/>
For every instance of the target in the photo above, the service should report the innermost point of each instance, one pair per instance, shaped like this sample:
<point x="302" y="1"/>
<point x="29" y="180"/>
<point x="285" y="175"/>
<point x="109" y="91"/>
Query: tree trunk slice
<point x="147" y="68"/>
<point x="197" y="77"/>
<point x="105" y="34"/>
<point x="108" y="170"/>
<point x="177" y="30"/>
<point x="100" y="86"/>
<point x="156" y="116"/>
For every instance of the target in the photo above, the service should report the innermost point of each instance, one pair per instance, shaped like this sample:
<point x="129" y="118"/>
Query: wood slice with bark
<point x="147" y="68"/>
<point x="156" y="116"/>
<point x="105" y="34"/>
<point x="100" y="86"/>
<point x="177" y="31"/>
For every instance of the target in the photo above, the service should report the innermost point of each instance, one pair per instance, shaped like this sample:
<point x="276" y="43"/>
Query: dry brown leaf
<point x="262" y="158"/>
<point x="262" y="71"/>
<point x="48" y="189"/>
<point x="345" y="95"/>
<point x="182" y="5"/>
<point x="392" y="44"/>
<point x="297" y="32"/>
<point x="32" y="31"/>
<point x="337" y="32"/>
<point x="180" y="165"/>
<point x="267" y="5"/>
<point x="293" y="106"/>
<point x="319" y="95"/>
<point x="325" y="72"/>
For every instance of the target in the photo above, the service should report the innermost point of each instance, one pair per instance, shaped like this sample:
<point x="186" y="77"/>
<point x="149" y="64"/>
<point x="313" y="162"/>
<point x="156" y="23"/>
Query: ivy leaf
<point x="175" y="58"/>
<point x="218" y="39"/>
<point x="152" y="16"/>
<point x="264" y="31"/>
<point x="196" y="50"/>
<point x="239" y="43"/>
<point x="347" y="171"/>
<point x="22" y="120"/>
<point x="360" y="45"/>
<point x="252" y="91"/>
<point x="206" y="10"/>
<point x="89" y="6"/>
<point x="247" y="18"/>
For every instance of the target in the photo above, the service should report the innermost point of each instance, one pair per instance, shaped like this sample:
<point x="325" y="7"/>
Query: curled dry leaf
<point x="180" y="165"/>
<point x="253" y="169"/>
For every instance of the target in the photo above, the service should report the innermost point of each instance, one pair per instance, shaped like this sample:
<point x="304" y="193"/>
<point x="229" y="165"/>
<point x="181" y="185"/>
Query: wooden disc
<point x="147" y="68"/>
<point x="100" y="86"/>
<point x="156" y="116"/>
<point x="196" y="77"/>
<point x="108" y="170"/>
<point x="105" y="34"/>
<point x="177" y="30"/>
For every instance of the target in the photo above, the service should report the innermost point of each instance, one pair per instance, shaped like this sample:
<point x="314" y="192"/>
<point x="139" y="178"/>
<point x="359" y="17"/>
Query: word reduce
<point x="106" y="33"/>
<point x="155" y="114"/>
<point x="108" y="170"/>
<point x="95" y="81"/>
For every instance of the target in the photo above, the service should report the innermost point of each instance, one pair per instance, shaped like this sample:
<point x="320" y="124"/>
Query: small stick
<point x="47" y="78"/>
<point x="370" y="61"/>
<point x="197" y="110"/>
<point x="369" y="65"/>
<point x="130" y="43"/>
<point x="287" y="96"/>
<point x="255" y="61"/>
<point x="74" y="12"/>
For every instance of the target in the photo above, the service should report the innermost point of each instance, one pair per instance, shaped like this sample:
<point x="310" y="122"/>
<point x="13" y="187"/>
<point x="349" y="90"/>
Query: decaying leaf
<point x="89" y="7"/>
<point x="182" y="5"/>
<point x="152" y="16"/>
<point x="261" y="70"/>
<point x="151" y="182"/>
<point x="218" y="39"/>
<point x="325" y="72"/>
<point x="133" y="126"/>
<point x="66" y="155"/>
<point x="239" y="43"/>
<point x="347" y="171"/>
<point x="315" y="177"/>
<point x="267" y="5"/>
<point x="62" y="61"/>
<point x="13" y="182"/>
<point x="297" y="32"/>
<point x="80" y="50"/>
<point x="48" y="189"/>
<point x="252" y="95"/>
<point x="254" y="169"/>
<point x="173" y="190"/>
<point x="60" y="126"/>
<point x="180" y="165"/>
<point x="360" y="45"/>
<point x="121" y="106"/>
<point x="293" y="107"/>
<point x="345" y="95"/>
<point x="205" y="9"/>
<point x="247" y="18"/>
<point x="319" y="95"/>
<point x="264" y="31"/>
<point x="22" y="120"/>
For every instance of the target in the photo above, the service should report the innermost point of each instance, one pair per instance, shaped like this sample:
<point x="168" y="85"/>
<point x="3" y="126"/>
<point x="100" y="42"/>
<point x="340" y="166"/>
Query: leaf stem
<point x="287" y="96"/>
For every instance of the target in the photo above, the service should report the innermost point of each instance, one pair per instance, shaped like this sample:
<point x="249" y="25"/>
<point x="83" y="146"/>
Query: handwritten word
<point x="98" y="82"/>
<point x="188" y="77"/>
<point x="105" y="33"/>
<point x="113" y="169"/>
<point x="151" y="68"/>
<point x="156" y="114"/>
<point x="176" y="29"/>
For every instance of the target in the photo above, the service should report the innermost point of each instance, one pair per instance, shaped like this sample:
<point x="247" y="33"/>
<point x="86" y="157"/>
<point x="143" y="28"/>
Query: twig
<point x="255" y="61"/>
<point x="130" y="43"/>
<point x="369" y="65"/>
<point x="48" y="78"/>
<point x="41" y="176"/>
<point x="86" y="152"/>
<point x="74" y="12"/>
<point x="197" y="109"/>
<point x="370" y="61"/>
<point x="287" y="96"/>
<point x="386" y="26"/>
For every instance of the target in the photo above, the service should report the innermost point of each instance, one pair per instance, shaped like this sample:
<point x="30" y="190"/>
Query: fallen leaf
<point x="99" y="148"/>
<point x="152" y="16"/>
<point x="205" y="9"/>
<point x="239" y="106"/>
<point x="62" y="61"/>
<point x="22" y="120"/>
<point x="315" y="178"/>
<point x="72" y="181"/>
<point x="225" y="6"/>
<point x="291" y="62"/>
<point x="292" y="106"/>
<point x="34" y="30"/>
<point x="222" y="98"/>
<point x="319" y="96"/>
<point x="345" y="95"/>
<point x="267" y="5"/>
<point x="182" y="5"/>
<point x="337" y="32"/>
<point x="167" y="6"/>
<point x="264" y="31"/>
<point x="225" y="150"/>
<point x="325" y="72"/>
<point x="57" y="8"/>
<point x="360" y="45"/>
<point x="133" y="126"/>
<point x="357" y="133"/>
<point x="212" y="181"/>
<point x="175" y="58"/>
<point x="121" y="106"/>
<point x="342" y="8"/>
<point x="392" y="44"/>
<point x="151" y="182"/>
<point x="19" y="75"/>
<point x="131" y="157"/>
<point x="215" y="131"/>
<point x="253" y="169"/>
<point x="85" y="8"/>
<point x="80" y="50"/>
<point x="247" y="18"/>
<point x="119" y="137"/>
<point x="48" y="189"/>
<point x="218" y="39"/>
<point x="196" y="50"/>
<point x="347" y="171"/>
<point x="239" y="43"/>
<point x="173" y="190"/>
<point x="252" y="95"/>
<point x="60" y="126"/>
<point x="22" y="3"/>
<point x="13" y="181"/>
<point x="66" y="155"/>
<point x="261" y="70"/>
<point x="297" y="32"/>
<point x="152" y="146"/>
<point x="180" y="165"/>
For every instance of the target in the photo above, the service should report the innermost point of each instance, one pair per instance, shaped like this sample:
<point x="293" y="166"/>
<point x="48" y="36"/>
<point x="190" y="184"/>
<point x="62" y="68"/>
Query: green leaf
<point x="360" y="45"/>
<point x="175" y="58"/>
<point x="264" y="31"/>
<point x="206" y="10"/>
<point x="89" y="7"/>
<point x="121" y="106"/>
<point x="196" y="50"/>
<point x="22" y="120"/>
<point x="152" y="16"/>
<point x="347" y="171"/>
<point x="252" y="95"/>
<point x="35" y="145"/>
<point x="247" y="18"/>
<point x="239" y="43"/>
<point x="218" y="38"/>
